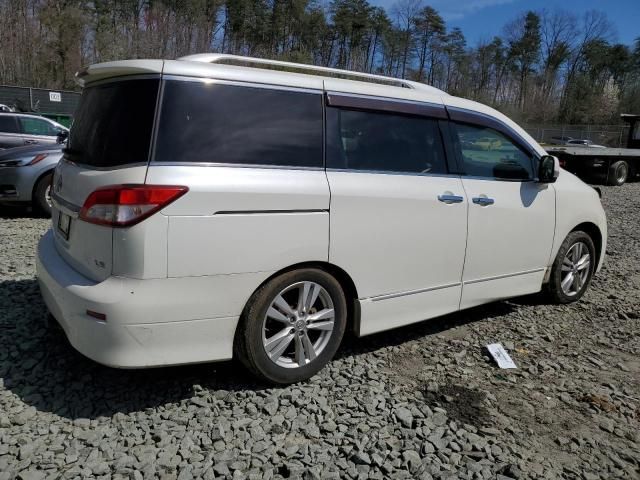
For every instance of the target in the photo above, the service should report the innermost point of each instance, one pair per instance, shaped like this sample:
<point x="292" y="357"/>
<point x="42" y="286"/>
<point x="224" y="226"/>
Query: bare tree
<point x="523" y="35"/>
<point x="546" y="66"/>
<point x="405" y="12"/>
<point x="558" y="31"/>
<point x="594" y="26"/>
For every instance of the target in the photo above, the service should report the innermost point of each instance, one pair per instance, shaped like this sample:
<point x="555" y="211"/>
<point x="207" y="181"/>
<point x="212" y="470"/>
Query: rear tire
<point x="284" y="340"/>
<point x="572" y="269"/>
<point x="618" y="173"/>
<point x="42" y="195"/>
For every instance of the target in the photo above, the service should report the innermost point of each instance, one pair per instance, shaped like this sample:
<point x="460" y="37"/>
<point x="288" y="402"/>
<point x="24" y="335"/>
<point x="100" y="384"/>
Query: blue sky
<point x="482" y="19"/>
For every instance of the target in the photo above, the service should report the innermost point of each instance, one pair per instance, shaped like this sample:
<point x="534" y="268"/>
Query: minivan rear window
<point x="204" y="122"/>
<point x="113" y="124"/>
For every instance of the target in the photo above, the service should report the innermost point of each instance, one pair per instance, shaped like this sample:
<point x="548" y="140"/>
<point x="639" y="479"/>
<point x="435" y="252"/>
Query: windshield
<point x="113" y="124"/>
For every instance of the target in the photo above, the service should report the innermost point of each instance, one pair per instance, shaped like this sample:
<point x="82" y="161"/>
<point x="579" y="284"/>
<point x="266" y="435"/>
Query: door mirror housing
<point x="62" y="136"/>
<point x="548" y="169"/>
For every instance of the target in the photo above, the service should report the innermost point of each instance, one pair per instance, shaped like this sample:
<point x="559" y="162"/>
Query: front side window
<point x="217" y="123"/>
<point x="35" y="126"/>
<point x="386" y="142"/>
<point x="488" y="153"/>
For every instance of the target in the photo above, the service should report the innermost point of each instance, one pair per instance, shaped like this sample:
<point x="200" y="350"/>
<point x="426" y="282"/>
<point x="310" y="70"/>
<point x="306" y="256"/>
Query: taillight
<point x="125" y="205"/>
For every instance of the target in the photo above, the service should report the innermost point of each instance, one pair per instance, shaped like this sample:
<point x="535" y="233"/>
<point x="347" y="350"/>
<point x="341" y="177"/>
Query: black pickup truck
<point x="612" y="166"/>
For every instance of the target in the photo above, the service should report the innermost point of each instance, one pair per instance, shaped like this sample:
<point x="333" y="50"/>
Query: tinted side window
<point x="35" y="126"/>
<point x="8" y="124"/>
<point x="488" y="153"/>
<point x="218" y="123"/>
<point x="362" y="140"/>
<point x="113" y="123"/>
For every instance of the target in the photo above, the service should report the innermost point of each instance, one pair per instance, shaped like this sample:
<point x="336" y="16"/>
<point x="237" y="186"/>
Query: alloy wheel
<point x="621" y="173"/>
<point x="298" y="324"/>
<point x="47" y="196"/>
<point x="575" y="269"/>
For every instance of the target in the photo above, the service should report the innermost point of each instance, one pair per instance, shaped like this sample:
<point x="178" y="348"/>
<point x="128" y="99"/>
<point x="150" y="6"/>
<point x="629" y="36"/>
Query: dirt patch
<point x="462" y="404"/>
<point x="599" y="402"/>
<point x="405" y="370"/>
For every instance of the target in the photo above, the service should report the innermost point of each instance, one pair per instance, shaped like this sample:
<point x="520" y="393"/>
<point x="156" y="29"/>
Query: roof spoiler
<point x="101" y="71"/>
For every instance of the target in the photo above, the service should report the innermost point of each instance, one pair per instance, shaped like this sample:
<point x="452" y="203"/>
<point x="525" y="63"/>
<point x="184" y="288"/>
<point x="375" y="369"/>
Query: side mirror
<point x="548" y="169"/>
<point x="62" y="136"/>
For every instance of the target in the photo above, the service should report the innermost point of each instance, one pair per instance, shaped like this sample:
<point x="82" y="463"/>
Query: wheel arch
<point x="40" y="177"/>
<point x="590" y="229"/>
<point x="594" y="232"/>
<point x="343" y="278"/>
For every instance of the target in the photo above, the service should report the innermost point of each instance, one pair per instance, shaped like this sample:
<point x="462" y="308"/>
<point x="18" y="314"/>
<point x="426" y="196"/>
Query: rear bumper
<point x="148" y="322"/>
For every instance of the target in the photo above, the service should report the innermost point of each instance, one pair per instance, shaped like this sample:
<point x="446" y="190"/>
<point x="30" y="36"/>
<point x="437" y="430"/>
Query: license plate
<point x="64" y="225"/>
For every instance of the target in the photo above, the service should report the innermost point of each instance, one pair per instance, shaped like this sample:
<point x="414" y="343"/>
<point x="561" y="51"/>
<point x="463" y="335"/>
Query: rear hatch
<point x="109" y="144"/>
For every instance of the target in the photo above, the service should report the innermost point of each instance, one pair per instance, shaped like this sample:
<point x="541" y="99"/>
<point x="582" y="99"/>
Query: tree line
<point x="544" y="66"/>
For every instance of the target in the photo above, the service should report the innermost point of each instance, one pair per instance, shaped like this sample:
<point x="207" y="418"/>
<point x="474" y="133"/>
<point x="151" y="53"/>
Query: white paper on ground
<point x="501" y="356"/>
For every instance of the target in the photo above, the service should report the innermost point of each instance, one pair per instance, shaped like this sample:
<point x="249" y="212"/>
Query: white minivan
<point x="218" y="206"/>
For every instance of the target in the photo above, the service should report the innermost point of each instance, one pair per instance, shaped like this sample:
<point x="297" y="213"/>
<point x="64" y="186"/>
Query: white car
<point x="218" y="206"/>
<point x="583" y="143"/>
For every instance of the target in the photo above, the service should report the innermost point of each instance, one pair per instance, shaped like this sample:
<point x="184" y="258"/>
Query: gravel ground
<point x="419" y="402"/>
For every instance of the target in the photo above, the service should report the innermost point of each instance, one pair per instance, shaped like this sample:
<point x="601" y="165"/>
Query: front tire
<point x="573" y="268"/>
<point x="42" y="196"/>
<point x="292" y="326"/>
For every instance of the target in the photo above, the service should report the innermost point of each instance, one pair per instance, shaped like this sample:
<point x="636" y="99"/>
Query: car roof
<point x="235" y="68"/>
<point x="30" y="115"/>
<point x="271" y="72"/>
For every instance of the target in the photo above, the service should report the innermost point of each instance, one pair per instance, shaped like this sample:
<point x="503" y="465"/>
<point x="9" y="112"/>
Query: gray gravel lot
<point x="418" y="402"/>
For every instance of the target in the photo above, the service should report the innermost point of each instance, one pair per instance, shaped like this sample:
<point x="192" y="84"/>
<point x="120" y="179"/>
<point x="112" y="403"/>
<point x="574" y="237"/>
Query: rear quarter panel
<point x="240" y="220"/>
<point x="89" y="248"/>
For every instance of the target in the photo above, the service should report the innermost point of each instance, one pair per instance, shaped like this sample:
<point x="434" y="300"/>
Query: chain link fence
<point x="59" y="105"/>
<point x="607" y="135"/>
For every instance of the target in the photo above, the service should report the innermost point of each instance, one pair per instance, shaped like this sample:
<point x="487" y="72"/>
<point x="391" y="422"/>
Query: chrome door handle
<point x="483" y="201"/>
<point x="448" y="198"/>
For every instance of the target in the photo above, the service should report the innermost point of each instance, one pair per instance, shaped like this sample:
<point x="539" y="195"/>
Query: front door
<point x="36" y="131"/>
<point x="511" y="217"/>
<point x="398" y="220"/>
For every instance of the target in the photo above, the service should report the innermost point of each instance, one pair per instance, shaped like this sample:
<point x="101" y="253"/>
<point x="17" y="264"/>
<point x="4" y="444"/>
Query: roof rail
<point x="251" y="62"/>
